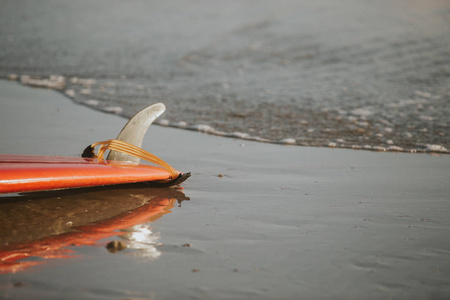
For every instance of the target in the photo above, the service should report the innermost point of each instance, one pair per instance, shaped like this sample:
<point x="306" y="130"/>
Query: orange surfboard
<point x="25" y="173"/>
<point x="29" y="173"/>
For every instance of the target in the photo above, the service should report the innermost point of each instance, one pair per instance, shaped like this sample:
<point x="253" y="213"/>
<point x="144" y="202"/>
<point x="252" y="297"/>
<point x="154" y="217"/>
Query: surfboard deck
<point x="26" y="173"/>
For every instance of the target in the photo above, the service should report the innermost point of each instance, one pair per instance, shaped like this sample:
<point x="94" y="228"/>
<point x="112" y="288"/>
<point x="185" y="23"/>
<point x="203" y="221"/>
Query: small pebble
<point x="115" y="246"/>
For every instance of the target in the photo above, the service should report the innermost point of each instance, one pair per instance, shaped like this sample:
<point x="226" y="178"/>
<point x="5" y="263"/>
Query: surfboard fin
<point x="127" y="146"/>
<point x="134" y="131"/>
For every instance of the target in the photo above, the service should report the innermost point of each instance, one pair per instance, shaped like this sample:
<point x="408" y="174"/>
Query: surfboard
<point x="25" y="173"/>
<point x="29" y="173"/>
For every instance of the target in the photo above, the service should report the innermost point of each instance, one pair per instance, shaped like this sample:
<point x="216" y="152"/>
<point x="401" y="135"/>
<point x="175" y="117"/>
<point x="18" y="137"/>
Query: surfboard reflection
<point x="40" y="226"/>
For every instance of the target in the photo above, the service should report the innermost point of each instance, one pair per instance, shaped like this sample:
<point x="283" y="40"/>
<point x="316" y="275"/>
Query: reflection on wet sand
<point x="44" y="225"/>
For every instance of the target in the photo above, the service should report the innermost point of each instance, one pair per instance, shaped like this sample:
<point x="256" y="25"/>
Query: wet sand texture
<point x="355" y="74"/>
<point x="281" y="222"/>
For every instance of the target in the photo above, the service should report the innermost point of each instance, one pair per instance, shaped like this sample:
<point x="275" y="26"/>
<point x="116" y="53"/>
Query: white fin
<point x="134" y="131"/>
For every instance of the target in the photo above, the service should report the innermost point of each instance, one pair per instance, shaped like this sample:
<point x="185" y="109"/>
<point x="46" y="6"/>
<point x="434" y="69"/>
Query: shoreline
<point x="58" y="83"/>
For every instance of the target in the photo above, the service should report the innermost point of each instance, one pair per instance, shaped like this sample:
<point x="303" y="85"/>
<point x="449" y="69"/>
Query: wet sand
<point x="349" y="74"/>
<point x="280" y="222"/>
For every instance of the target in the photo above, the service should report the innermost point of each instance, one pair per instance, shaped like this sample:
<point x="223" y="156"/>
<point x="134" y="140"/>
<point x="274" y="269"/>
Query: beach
<point x="255" y="220"/>
<point x="316" y="134"/>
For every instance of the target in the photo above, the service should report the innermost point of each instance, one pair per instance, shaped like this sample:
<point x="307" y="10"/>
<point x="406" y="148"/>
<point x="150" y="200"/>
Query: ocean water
<point x="369" y="75"/>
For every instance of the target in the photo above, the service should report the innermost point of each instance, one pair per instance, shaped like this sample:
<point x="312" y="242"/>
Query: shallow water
<point x="280" y="222"/>
<point x="362" y="74"/>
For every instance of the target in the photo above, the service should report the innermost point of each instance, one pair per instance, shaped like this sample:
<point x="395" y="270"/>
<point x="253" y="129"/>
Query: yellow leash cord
<point x="130" y="149"/>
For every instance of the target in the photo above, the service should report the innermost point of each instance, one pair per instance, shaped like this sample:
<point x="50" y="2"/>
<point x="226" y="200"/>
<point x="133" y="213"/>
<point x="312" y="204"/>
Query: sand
<point x="263" y="221"/>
